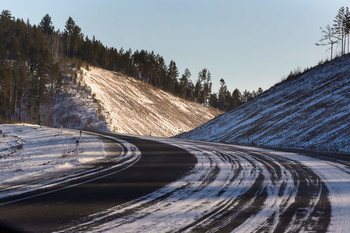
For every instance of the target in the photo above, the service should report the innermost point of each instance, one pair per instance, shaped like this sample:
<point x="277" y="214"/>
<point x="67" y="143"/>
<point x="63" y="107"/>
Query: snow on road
<point x="231" y="188"/>
<point x="30" y="153"/>
<point x="238" y="189"/>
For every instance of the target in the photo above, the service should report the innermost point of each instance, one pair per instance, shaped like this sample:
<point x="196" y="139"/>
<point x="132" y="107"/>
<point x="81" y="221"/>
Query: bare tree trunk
<point x="21" y="107"/>
<point x="15" y="105"/>
<point x="332" y="51"/>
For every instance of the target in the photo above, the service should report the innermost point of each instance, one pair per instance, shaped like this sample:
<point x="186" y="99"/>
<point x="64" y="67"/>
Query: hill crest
<point x="309" y="112"/>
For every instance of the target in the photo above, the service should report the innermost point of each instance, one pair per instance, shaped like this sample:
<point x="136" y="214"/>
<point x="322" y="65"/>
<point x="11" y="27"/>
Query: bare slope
<point x="134" y="107"/>
<point x="311" y="112"/>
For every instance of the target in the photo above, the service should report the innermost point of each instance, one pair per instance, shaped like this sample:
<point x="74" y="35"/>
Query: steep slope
<point x="311" y="111"/>
<point x="134" y="107"/>
<point x="76" y="108"/>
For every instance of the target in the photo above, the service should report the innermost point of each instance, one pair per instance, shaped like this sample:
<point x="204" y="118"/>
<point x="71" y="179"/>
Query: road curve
<point x="207" y="187"/>
<point x="111" y="182"/>
<point x="231" y="189"/>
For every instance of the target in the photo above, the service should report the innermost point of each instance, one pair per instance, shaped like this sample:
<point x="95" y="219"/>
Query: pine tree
<point x="46" y="25"/>
<point x="184" y="81"/>
<point x="204" y="78"/>
<point x="73" y="36"/>
<point x="237" y="98"/>
<point x="222" y="96"/>
<point x="213" y="100"/>
<point x="6" y="14"/>
<point x="171" y="77"/>
<point x="197" y="95"/>
<point x="246" y="96"/>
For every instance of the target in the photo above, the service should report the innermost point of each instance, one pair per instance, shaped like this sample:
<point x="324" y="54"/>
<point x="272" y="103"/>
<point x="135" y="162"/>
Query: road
<point x="189" y="186"/>
<point x="159" y="164"/>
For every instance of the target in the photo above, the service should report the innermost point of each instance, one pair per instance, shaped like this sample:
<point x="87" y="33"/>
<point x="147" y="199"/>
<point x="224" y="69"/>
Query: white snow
<point x="134" y="107"/>
<point x="199" y="199"/>
<point x="337" y="178"/>
<point x="76" y="108"/>
<point x="203" y="192"/>
<point x="310" y="112"/>
<point x="31" y="155"/>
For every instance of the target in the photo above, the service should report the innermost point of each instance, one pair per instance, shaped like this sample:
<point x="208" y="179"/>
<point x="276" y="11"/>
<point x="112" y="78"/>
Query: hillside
<point x="134" y="107"/>
<point x="310" y="112"/>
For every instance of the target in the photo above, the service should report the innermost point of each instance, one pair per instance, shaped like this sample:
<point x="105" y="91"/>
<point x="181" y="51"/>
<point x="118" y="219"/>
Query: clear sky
<point x="248" y="43"/>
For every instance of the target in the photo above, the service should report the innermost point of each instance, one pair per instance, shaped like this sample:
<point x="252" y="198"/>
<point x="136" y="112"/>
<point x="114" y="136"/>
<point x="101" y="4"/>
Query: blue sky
<point x="250" y="43"/>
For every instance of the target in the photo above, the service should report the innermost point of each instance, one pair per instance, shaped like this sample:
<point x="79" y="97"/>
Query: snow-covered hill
<point x="76" y="108"/>
<point x="310" y="112"/>
<point x="134" y="107"/>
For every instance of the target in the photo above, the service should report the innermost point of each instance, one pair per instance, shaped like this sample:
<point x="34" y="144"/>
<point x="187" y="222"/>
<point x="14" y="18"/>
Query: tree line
<point x="31" y="58"/>
<point x="29" y="77"/>
<point x="148" y="67"/>
<point x="338" y="33"/>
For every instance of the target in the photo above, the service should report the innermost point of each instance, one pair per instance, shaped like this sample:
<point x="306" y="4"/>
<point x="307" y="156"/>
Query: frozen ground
<point x="310" y="112"/>
<point x="134" y="107"/>
<point x="33" y="157"/>
<point x="238" y="189"/>
<point x="230" y="188"/>
<point x="75" y="108"/>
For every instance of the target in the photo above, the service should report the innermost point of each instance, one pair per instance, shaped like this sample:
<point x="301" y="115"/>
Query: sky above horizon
<point x="250" y="44"/>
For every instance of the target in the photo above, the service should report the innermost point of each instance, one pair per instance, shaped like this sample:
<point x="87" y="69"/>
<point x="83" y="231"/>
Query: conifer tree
<point x="237" y="98"/>
<point x="204" y="85"/>
<point x="222" y="98"/>
<point x="171" y="77"/>
<point x="73" y="36"/>
<point x="184" y="82"/>
<point x="46" y="25"/>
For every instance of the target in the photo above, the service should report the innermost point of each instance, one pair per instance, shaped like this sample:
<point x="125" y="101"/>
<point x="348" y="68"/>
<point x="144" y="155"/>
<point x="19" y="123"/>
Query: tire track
<point x="229" y="190"/>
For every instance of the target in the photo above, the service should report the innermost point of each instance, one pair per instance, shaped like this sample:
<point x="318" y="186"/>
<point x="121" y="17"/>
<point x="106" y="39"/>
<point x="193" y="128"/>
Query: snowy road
<point x="221" y="188"/>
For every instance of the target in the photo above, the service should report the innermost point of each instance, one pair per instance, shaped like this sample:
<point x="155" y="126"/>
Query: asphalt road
<point x="159" y="165"/>
<point x="217" y="188"/>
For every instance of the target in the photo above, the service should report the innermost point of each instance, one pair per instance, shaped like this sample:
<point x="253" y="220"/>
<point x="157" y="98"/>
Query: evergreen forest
<point x="32" y="58"/>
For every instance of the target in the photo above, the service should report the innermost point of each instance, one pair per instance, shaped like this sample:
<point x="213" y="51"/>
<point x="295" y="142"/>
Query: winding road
<point x="150" y="184"/>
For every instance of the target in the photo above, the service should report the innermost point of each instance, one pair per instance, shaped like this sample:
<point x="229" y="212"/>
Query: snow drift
<point x="310" y="112"/>
<point x="134" y="107"/>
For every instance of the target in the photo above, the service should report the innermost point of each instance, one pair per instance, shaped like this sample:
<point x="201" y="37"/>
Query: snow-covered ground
<point x="134" y="107"/>
<point x="32" y="157"/>
<point x="238" y="189"/>
<point x="311" y="112"/>
<point x="230" y="188"/>
<point x="76" y="108"/>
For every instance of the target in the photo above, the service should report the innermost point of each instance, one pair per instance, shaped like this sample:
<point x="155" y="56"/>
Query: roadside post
<point x="76" y="147"/>
<point x="61" y="128"/>
<point x="80" y="135"/>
